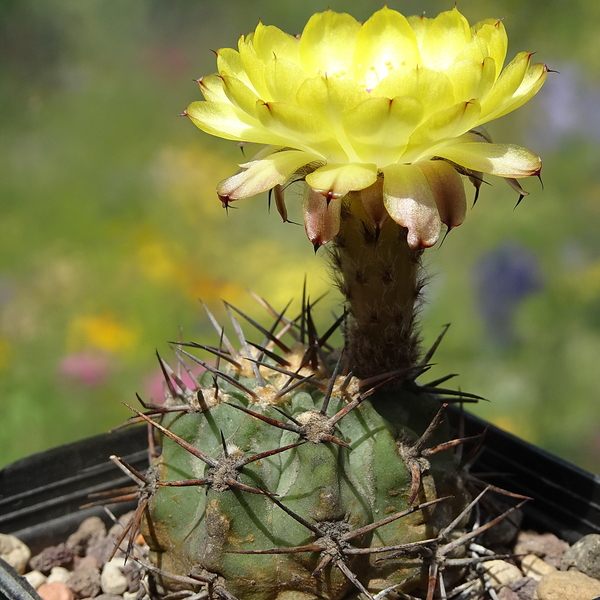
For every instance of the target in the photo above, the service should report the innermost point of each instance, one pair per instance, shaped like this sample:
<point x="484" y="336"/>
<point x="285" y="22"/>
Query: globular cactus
<point x="282" y="476"/>
<point x="295" y="471"/>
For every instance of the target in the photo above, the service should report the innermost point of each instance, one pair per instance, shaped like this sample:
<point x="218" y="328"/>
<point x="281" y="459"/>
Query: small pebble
<point x="533" y="566"/>
<point x="82" y="562"/>
<point x="85" y="581"/>
<point x="90" y="531"/>
<point x="14" y="552"/>
<point x="59" y="574"/>
<point x="524" y="588"/>
<point x="544" y="545"/>
<point x="53" y="556"/>
<point x="112" y="579"/>
<point x="35" y="578"/>
<point x="567" y="585"/>
<point x="57" y="590"/>
<point x="500" y="573"/>
<point x="506" y="593"/>
<point x="130" y="595"/>
<point x="584" y="556"/>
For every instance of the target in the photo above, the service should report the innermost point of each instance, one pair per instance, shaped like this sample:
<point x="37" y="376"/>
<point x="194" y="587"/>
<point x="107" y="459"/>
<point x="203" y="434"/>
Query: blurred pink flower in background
<point x="87" y="368"/>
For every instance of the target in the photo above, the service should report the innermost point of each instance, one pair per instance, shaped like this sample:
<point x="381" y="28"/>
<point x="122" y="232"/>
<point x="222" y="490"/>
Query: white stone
<point x="59" y="574"/>
<point x="533" y="566"/>
<point x="112" y="579"/>
<point x="14" y="552"/>
<point x="35" y="578"/>
<point x="500" y="572"/>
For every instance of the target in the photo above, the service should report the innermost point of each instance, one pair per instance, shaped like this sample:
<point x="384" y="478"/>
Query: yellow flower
<point x="388" y="108"/>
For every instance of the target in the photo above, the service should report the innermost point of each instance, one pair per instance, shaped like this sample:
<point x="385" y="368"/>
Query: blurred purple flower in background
<point x="503" y="278"/>
<point x="568" y="107"/>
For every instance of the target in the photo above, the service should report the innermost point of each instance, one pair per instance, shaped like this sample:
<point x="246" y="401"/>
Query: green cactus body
<point x="216" y="530"/>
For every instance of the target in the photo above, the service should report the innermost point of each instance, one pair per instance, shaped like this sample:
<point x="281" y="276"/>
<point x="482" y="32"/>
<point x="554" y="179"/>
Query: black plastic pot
<point x="40" y="495"/>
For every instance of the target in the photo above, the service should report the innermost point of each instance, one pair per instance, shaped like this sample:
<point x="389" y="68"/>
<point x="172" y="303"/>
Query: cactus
<point x="294" y="470"/>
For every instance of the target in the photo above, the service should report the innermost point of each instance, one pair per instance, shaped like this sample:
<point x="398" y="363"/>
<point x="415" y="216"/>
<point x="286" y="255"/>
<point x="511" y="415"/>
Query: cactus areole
<point x="295" y="471"/>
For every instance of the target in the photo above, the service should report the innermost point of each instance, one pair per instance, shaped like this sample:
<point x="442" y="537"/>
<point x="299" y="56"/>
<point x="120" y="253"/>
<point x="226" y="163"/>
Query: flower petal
<point x="379" y="128"/>
<point x="531" y="84"/>
<point x="211" y="87"/>
<point x="335" y="181"/>
<point x="321" y="216"/>
<point x="261" y="175"/>
<point x="448" y="190"/>
<point x="372" y="201"/>
<point x="226" y="121"/>
<point x="433" y="89"/>
<point x="269" y="42"/>
<point x="230" y="61"/>
<point x="299" y="127"/>
<point x="283" y="78"/>
<point x="443" y="125"/>
<point x="253" y="66"/>
<point x="409" y="200"/>
<point x="327" y="44"/>
<point x="442" y="38"/>
<point x="240" y="95"/>
<point x="492" y="36"/>
<point x="518" y="81"/>
<point x="505" y="160"/>
<point x="472" y="78"/>
<point x="384" y="43"/>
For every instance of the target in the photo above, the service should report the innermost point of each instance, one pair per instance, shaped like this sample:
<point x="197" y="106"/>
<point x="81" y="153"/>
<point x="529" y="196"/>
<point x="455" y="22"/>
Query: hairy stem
<point x="379" y="275"/>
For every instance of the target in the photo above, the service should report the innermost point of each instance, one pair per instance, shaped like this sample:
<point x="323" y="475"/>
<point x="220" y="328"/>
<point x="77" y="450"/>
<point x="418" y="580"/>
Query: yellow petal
<point x="379" y="128"/>
<point x="531" y="84"/>
<point x="493" y="39"/>
<point x="505" y="160"/>
<point x="327" y="44"/>
<point x="335" y="181"/>
<point x="384" y="43"/>
<point x="226" y="121"/>
<point x="409" y="200"/>
<point x="330" y="96"/>
<point x="211" y="87"/>
<point x="472" y="78"/>
<point x="433" y="89"/>
<point x="269" y="42"/>
<point x="301" y="128"/>
<point x="445" y="124"/>
<point x="283" y="78"/>
<point x="448" y="190"/>
<point x="505" y="87"/>
<point x="254" y="67"/>
<point x="261" y="175"/>
<point x="240" y="95"/>
<point x="441" y="39"/>
<point x="321" y="216"/>
<point x="229" y="61"/>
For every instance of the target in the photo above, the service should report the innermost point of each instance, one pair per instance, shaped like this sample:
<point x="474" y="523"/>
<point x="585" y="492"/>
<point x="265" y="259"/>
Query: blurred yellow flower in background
<point x="102" y="332"/>
<point x="390" y="108"/>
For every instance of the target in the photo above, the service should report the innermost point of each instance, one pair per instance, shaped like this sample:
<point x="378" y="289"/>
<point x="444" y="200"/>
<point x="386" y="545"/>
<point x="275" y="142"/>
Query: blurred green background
<point x="110" y="230"/>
